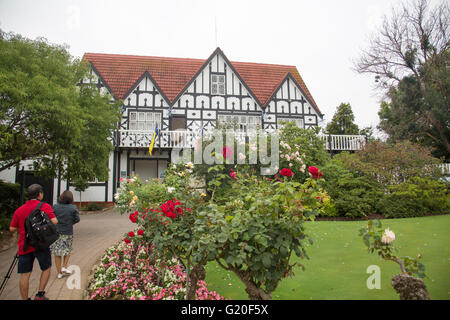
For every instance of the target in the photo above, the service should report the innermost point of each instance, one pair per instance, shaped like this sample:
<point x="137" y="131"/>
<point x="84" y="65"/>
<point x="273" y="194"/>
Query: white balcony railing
<point x="341" y="142"/>
<point x="186" y="139"/>
<point x="165" y="139"/>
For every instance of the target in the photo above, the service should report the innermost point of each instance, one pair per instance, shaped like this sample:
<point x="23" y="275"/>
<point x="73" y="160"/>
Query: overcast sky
<point x="321" y="38"/>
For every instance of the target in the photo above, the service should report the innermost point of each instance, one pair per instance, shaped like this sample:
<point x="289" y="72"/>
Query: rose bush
<point x="381" y="241"/>
<point x="255" y="232"/>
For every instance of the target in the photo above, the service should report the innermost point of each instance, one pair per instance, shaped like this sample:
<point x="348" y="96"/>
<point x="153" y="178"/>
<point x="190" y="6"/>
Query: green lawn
<point x="339" y="260"/>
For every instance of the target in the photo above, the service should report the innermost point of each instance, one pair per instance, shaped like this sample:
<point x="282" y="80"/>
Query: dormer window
<point x="218" y="84"/>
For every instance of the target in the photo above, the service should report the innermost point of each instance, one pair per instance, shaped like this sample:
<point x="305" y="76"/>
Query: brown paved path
<point x="92" y="236"/>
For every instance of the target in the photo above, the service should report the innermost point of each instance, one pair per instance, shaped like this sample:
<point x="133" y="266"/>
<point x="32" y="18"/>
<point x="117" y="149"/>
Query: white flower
<point x="170" y="189"/>
<point x="241" y="156"/>
<point x="388" y="236"/>
<point x="190" y="165"/>
<point x="290" y="164"/>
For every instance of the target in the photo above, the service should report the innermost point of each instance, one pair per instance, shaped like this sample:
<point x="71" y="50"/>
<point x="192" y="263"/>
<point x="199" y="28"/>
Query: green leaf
<point x="222" y="237"/>
<point x="266" y="260"/>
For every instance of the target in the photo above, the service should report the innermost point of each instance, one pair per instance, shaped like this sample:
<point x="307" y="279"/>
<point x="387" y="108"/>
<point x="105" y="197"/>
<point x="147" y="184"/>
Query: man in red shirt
<point x="26" y="258"/>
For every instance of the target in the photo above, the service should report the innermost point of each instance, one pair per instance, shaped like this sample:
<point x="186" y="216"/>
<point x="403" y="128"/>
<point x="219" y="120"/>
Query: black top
<point x="67" y="215"/>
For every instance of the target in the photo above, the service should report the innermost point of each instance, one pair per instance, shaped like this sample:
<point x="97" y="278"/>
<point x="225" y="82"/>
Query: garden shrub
<point x="93" y="206"/>
<point x="255" y="233"/>
<point x="391" y="164"/>
<point x="132" y="193"/>
<point x="416" y="197"/>
<point x="9" y="202"/>
<point x="355" y="197"/>
<point x="351" y="195"/>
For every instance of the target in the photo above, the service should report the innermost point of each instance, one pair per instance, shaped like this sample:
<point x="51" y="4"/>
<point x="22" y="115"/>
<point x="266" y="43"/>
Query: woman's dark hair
<point x="34" y="190"/>
<point x="66" y="197"/>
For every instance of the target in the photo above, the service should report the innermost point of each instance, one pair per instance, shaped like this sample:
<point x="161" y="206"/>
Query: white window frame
<point x="298" y="122"/>
<point x="244" y="122"/>
<point x="218" y="84"/>
<point x="143" y="121"/>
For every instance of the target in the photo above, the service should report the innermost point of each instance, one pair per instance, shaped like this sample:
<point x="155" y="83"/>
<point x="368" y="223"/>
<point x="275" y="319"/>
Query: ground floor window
<point x="148" y="169"/>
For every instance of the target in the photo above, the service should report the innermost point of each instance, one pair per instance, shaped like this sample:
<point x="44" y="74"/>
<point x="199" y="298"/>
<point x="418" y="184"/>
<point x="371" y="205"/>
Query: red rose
<point x="314" y="172"/>
<point x="131" y="234"/>
<point x="133" y="216"/>
<point x="286" y="172"/>
<point x="140" y="232"/>
<point x="233" y="175"/>
<point x="126" y="240"/>
<point x="227" y="152"/>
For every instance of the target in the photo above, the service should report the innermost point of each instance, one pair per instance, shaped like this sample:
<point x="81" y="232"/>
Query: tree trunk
<point x="253" y="291"/>
<point x="198" y="273"/>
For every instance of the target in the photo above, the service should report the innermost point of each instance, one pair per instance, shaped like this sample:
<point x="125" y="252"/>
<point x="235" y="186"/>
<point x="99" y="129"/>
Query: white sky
<point x="321" y="38"/>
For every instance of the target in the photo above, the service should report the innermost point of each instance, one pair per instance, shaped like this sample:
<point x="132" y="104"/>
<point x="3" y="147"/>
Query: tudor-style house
<point x="185" y="97"/>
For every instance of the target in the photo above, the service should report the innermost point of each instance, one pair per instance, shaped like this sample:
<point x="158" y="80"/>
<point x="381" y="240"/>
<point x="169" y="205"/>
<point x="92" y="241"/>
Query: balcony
<point x="186" y="139"/>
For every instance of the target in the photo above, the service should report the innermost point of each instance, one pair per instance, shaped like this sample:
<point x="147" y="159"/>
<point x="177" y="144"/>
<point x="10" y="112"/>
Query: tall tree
<point x="46" y="116"/>
<point x="409" y="57"/>
<point x="343" y="121"/>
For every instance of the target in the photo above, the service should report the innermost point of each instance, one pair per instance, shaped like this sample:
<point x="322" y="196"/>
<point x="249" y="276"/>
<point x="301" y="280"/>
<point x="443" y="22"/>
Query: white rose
<point x="170" y="189"/>
<point x="388" y="236"/>
<point x="190" y="165"/>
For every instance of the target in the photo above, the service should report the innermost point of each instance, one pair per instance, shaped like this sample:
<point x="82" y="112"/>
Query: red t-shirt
<point x="19" y="217"/>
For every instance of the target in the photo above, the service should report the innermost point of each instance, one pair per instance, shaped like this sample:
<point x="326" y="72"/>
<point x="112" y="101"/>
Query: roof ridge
<point x="179" y="58"/>
<point x="114" y="66"/>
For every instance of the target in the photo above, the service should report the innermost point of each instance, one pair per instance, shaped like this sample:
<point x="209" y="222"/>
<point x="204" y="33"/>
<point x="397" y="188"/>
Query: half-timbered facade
<point x="187" y="96"/>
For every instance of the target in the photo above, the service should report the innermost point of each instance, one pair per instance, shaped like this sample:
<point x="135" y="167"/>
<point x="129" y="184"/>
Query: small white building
<point x="183" y="96"/>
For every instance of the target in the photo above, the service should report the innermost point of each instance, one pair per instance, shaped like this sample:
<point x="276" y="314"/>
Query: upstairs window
<point x="242" y="123"/>
<point x="218" y="84"/>
<point x="144" y="121"/>
<point x="298" y="122"/>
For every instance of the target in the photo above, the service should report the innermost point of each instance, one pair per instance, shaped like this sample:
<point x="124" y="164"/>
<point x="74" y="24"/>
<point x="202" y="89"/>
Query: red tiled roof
<point x="120" y="72"/>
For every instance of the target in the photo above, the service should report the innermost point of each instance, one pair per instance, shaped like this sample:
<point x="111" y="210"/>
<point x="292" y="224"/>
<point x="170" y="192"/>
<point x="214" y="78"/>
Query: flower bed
<point x="129" y="271"/>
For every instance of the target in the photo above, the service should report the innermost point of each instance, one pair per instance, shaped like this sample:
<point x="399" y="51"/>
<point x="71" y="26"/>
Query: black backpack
<point x="39" y="230"/>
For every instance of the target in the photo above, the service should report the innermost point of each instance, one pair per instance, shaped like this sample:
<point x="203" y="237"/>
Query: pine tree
<point x="343" y="121"/>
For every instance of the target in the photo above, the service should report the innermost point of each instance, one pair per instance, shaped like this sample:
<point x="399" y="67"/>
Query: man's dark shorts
<point x="26" y="261"/>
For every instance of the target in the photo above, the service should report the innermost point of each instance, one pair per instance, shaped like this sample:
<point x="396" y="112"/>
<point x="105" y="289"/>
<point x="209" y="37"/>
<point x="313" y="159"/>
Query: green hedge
<point x="9" y="202"/>
<point x="415" y="198"/>
<point x="395" y="180"/>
